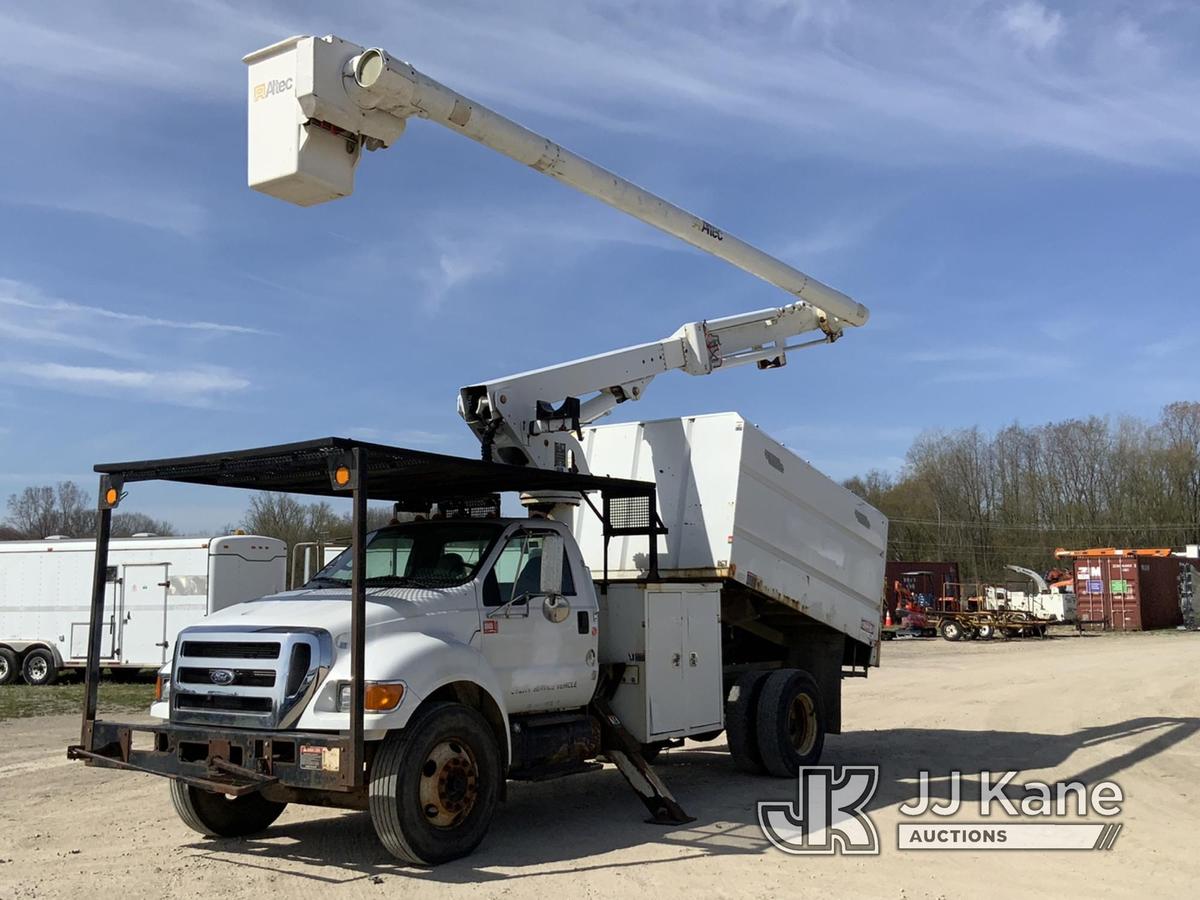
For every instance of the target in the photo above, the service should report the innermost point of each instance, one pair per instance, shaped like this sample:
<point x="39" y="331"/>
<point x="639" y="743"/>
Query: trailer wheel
<point x="217" y="815"/>
<point x="951" y="630"/>
<point x="987" y="632"/>
<point x="741" y="721"/>
<point x="8" y="666"/>
<point x="39" y="668"/>
<point x="791" y="722"/>
<point x="433" y="786"/>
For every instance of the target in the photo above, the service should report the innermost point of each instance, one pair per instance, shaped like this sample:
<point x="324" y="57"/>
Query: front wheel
<point x="218" y="815"/>
<point x="433" y="786"/>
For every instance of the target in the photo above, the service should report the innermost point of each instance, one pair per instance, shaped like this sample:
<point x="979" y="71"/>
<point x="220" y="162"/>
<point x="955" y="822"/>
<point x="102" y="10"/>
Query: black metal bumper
<point x="282" y="764"/>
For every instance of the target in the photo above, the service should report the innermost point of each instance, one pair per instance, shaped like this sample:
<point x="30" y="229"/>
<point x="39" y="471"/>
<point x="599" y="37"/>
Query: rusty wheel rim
<point x="802" y="724"/>
<point x="449" y="784"/>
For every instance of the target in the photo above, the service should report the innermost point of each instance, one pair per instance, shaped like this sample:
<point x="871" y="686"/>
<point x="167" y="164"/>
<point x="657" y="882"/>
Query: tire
<point x="987" y="632"/>
<point x="38" y="668"/>
<point x="456" y="744"/>
<point x="217" y="815"/>
<point x="9" y="668"/>
<point x="741" y="721"/>
<point x="791" y="722"/>
<point x="951" y="630"/>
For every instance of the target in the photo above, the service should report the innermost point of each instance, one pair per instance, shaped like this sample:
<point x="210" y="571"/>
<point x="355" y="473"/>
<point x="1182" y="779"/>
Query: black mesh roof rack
<point x="393" y="473"/>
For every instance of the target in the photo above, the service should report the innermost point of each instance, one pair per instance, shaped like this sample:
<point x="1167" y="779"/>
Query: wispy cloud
<point x="188" y="387"/>
<point x="159" y="209"/>
<point x="413" y="436"/>
<point x="889" y="82"/>
<point x="18" y="294"/>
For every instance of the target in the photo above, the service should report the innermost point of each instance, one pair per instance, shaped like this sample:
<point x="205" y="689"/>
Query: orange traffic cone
<point x="887" y="622"/>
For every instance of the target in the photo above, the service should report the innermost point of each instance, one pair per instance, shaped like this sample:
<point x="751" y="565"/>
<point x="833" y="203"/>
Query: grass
<point x="20" y="701"/>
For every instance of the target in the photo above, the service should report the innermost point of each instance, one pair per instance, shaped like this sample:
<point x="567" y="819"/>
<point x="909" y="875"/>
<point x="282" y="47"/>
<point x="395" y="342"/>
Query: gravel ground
<point x="1091" y="708"/>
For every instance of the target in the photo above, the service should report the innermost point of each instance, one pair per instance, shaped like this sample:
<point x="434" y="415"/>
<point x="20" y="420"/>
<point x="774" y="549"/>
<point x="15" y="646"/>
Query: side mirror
<point x="552" y="560"/>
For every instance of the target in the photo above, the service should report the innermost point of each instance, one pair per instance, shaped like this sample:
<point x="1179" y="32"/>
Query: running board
<point x="626" y="753"/>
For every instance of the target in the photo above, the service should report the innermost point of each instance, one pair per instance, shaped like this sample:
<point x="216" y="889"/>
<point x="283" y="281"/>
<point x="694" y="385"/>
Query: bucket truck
<point x="679" y="579"/>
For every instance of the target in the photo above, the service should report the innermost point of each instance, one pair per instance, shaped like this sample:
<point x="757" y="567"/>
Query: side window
<point x="518" y="571"/>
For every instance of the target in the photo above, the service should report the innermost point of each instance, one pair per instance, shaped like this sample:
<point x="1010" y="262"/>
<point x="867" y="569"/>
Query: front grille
<point x="232" y="650"/>
<point x="241" y="677"/>
<point x="224" y="703"/>
<point x="272" y="681"/>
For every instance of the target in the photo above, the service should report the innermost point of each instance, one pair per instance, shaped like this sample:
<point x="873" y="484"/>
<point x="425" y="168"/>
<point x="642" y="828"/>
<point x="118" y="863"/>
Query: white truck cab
<point x="448" y="601"/>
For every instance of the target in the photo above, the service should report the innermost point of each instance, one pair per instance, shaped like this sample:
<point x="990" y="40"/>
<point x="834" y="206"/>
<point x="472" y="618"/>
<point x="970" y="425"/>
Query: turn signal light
<point x="381" y="697"/>
<point x="342" y="476"/>
<point x="158" y="689"/>
<point x="111" y="496"/>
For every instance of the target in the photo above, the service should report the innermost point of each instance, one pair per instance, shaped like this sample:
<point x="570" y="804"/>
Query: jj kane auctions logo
<point x="829" y="815"/>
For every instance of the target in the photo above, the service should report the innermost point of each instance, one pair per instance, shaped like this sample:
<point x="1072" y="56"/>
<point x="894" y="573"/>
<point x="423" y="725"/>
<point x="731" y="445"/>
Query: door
<point x="702" y="658"/>
<point x="81" y="631"/>
<point x="144" y="614"/>
<point x="544" y="658"/>
<point x="665" y="662"/>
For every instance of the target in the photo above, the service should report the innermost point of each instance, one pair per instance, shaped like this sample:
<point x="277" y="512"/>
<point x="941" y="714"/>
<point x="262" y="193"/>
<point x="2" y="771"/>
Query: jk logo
<point x="828" y="815"/>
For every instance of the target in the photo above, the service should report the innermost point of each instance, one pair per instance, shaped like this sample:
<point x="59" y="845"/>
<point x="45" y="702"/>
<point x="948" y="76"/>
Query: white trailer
<point x="156" y="586"/>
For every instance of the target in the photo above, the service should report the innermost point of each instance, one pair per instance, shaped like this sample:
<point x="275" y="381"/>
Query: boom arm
<point x="314" y="103"/>
<point x="532" y="418"/>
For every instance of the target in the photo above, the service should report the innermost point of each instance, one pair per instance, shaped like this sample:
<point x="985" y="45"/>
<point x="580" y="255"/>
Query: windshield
<point x="416" y="554"/>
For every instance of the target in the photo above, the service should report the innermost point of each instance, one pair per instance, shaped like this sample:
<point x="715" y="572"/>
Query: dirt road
<point x="1124" y="708"/>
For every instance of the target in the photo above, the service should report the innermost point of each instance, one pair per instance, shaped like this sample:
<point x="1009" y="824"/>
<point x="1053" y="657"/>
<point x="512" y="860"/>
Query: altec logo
<point x="270" y="88"/>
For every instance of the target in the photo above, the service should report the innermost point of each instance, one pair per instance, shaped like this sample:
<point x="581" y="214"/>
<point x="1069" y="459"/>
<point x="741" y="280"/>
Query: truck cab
<point x="449" y="602"/>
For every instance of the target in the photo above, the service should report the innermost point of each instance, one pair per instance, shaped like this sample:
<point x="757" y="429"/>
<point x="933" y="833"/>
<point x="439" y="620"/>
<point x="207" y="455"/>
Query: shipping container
<point x="1125" y="592"/>
<point x="933" y="584"/>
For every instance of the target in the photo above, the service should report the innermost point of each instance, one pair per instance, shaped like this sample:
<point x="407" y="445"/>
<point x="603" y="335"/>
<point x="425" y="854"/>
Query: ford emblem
<point x="221" y="676"/>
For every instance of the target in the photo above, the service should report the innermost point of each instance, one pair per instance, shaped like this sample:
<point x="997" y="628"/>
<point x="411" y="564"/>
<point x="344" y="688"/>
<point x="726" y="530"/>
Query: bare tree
<point x="127" y="524"/>
<point x="40" y="511"/>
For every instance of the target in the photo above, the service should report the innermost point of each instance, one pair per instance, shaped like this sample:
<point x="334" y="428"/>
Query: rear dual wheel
<point x="775" y="722"/>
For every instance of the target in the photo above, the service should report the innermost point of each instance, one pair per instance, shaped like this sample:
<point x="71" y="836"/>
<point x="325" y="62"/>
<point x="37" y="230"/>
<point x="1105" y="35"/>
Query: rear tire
<point x="791" y="722"/>
<point x="951" y="630"/>
<point x="217" y="815"/>
<point x="741" y="721"/>
<point x="987" y="632"/>
<point x="39" y="668"/>
<point x="434" y="785"/>
<point x="8" y="666"/>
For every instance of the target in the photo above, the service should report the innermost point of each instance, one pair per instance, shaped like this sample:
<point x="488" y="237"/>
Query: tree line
<point x="67" y="509"/>
<point x="985" y="500"/>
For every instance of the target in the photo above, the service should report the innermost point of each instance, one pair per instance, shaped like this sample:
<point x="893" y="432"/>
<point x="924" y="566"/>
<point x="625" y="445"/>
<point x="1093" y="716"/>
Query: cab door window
<point x="518" y="571"/>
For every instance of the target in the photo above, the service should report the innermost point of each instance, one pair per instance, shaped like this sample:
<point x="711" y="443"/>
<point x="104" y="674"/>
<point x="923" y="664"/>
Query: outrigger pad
<point x="626" y="753"/>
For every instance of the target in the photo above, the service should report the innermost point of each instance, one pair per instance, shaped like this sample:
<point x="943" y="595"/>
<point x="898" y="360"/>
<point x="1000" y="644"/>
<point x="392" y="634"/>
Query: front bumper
<point x="234" y="761"/>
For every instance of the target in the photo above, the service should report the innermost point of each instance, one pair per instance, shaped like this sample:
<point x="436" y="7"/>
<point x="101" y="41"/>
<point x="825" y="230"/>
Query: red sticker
<point x="490" y="626"/>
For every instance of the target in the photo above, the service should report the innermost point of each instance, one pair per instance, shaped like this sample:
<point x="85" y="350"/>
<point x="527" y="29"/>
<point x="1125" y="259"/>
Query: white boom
<point x="314" y="103"/>
<point x="528" y="419"/>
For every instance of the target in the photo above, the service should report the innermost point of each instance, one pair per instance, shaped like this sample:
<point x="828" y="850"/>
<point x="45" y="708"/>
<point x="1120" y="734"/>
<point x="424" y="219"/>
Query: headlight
<point x="380" y="696"/>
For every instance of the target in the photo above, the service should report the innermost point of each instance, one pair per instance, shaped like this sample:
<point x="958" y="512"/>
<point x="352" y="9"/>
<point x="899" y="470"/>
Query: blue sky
<point x="1009" y="186"/>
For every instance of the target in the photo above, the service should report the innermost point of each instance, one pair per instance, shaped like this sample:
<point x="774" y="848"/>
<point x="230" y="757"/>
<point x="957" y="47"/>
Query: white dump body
<point x="739" y="505"/>
<point x="156" y="586"/>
